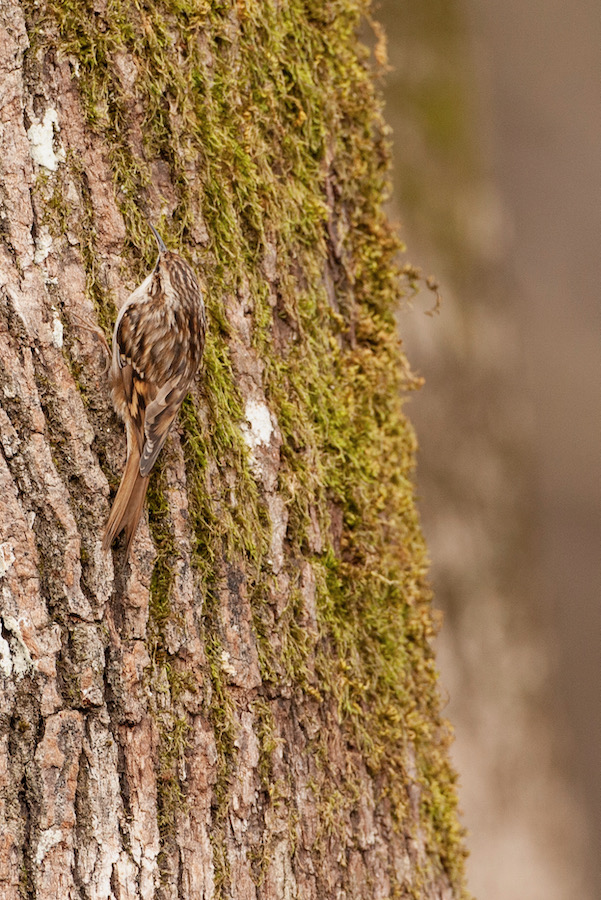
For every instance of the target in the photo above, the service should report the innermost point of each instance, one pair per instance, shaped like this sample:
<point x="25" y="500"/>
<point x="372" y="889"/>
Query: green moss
<point x="162" y="575"/>
<point x="25" y="889"/>
<point x="267" y="118"/>
<point x="165" y="677"/>
<point x="221" y="711"/>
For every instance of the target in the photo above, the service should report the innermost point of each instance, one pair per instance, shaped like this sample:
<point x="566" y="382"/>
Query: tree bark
<point x="248" y="708"/>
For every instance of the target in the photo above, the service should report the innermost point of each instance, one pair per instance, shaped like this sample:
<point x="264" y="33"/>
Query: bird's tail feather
<point x="128" y="504"/>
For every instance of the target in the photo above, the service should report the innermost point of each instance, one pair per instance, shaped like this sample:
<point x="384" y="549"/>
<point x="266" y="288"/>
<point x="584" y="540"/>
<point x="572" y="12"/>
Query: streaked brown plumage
<point x="157" y="347"/>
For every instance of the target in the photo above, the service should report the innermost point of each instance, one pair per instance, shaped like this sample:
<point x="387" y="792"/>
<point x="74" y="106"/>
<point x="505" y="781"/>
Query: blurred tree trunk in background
<point x="248" y="708"/>
<point x="473" y="106"/>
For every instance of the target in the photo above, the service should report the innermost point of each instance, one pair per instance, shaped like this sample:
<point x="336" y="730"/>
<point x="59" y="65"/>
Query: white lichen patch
<point x="48" y="839"/>
<point x="21" y="660"/>
<point x="6" y="663"/>
<point x="226" y="664"/>
<point x="41" y="141"/>
<point x="57" y="330"/>
<point x="42" y="245"/>
<point x="7" y="558"/>
<point x="259" y="429"/>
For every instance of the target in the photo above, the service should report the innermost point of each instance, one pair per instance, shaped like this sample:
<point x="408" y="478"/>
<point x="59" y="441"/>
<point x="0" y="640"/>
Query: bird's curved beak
<point x="159" y="239"/>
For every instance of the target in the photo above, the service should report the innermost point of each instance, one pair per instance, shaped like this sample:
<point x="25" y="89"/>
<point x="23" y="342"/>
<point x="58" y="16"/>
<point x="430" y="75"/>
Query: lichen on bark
<point x="250" y="708"/>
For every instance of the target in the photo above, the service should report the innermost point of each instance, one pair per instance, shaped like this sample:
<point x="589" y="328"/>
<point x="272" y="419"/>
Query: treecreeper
<point x="158" y="343"/>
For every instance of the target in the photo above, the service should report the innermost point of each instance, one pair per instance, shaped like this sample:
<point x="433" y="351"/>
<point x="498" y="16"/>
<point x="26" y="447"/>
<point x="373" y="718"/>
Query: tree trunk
<point x="248" y="707"/>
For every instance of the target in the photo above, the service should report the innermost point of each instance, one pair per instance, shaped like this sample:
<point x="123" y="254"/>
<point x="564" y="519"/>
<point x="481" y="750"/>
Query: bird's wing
<point x="160" y="415"/>
<point x="129" y="352"/>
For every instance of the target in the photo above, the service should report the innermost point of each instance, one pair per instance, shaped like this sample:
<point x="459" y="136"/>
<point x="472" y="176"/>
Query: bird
<point x="158" y="342"/>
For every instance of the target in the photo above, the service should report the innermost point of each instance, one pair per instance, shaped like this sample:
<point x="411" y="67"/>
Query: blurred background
<point x="496" y="129"/>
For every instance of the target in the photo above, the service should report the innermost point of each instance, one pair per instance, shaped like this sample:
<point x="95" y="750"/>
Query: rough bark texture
<point x="249" y="707"/>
